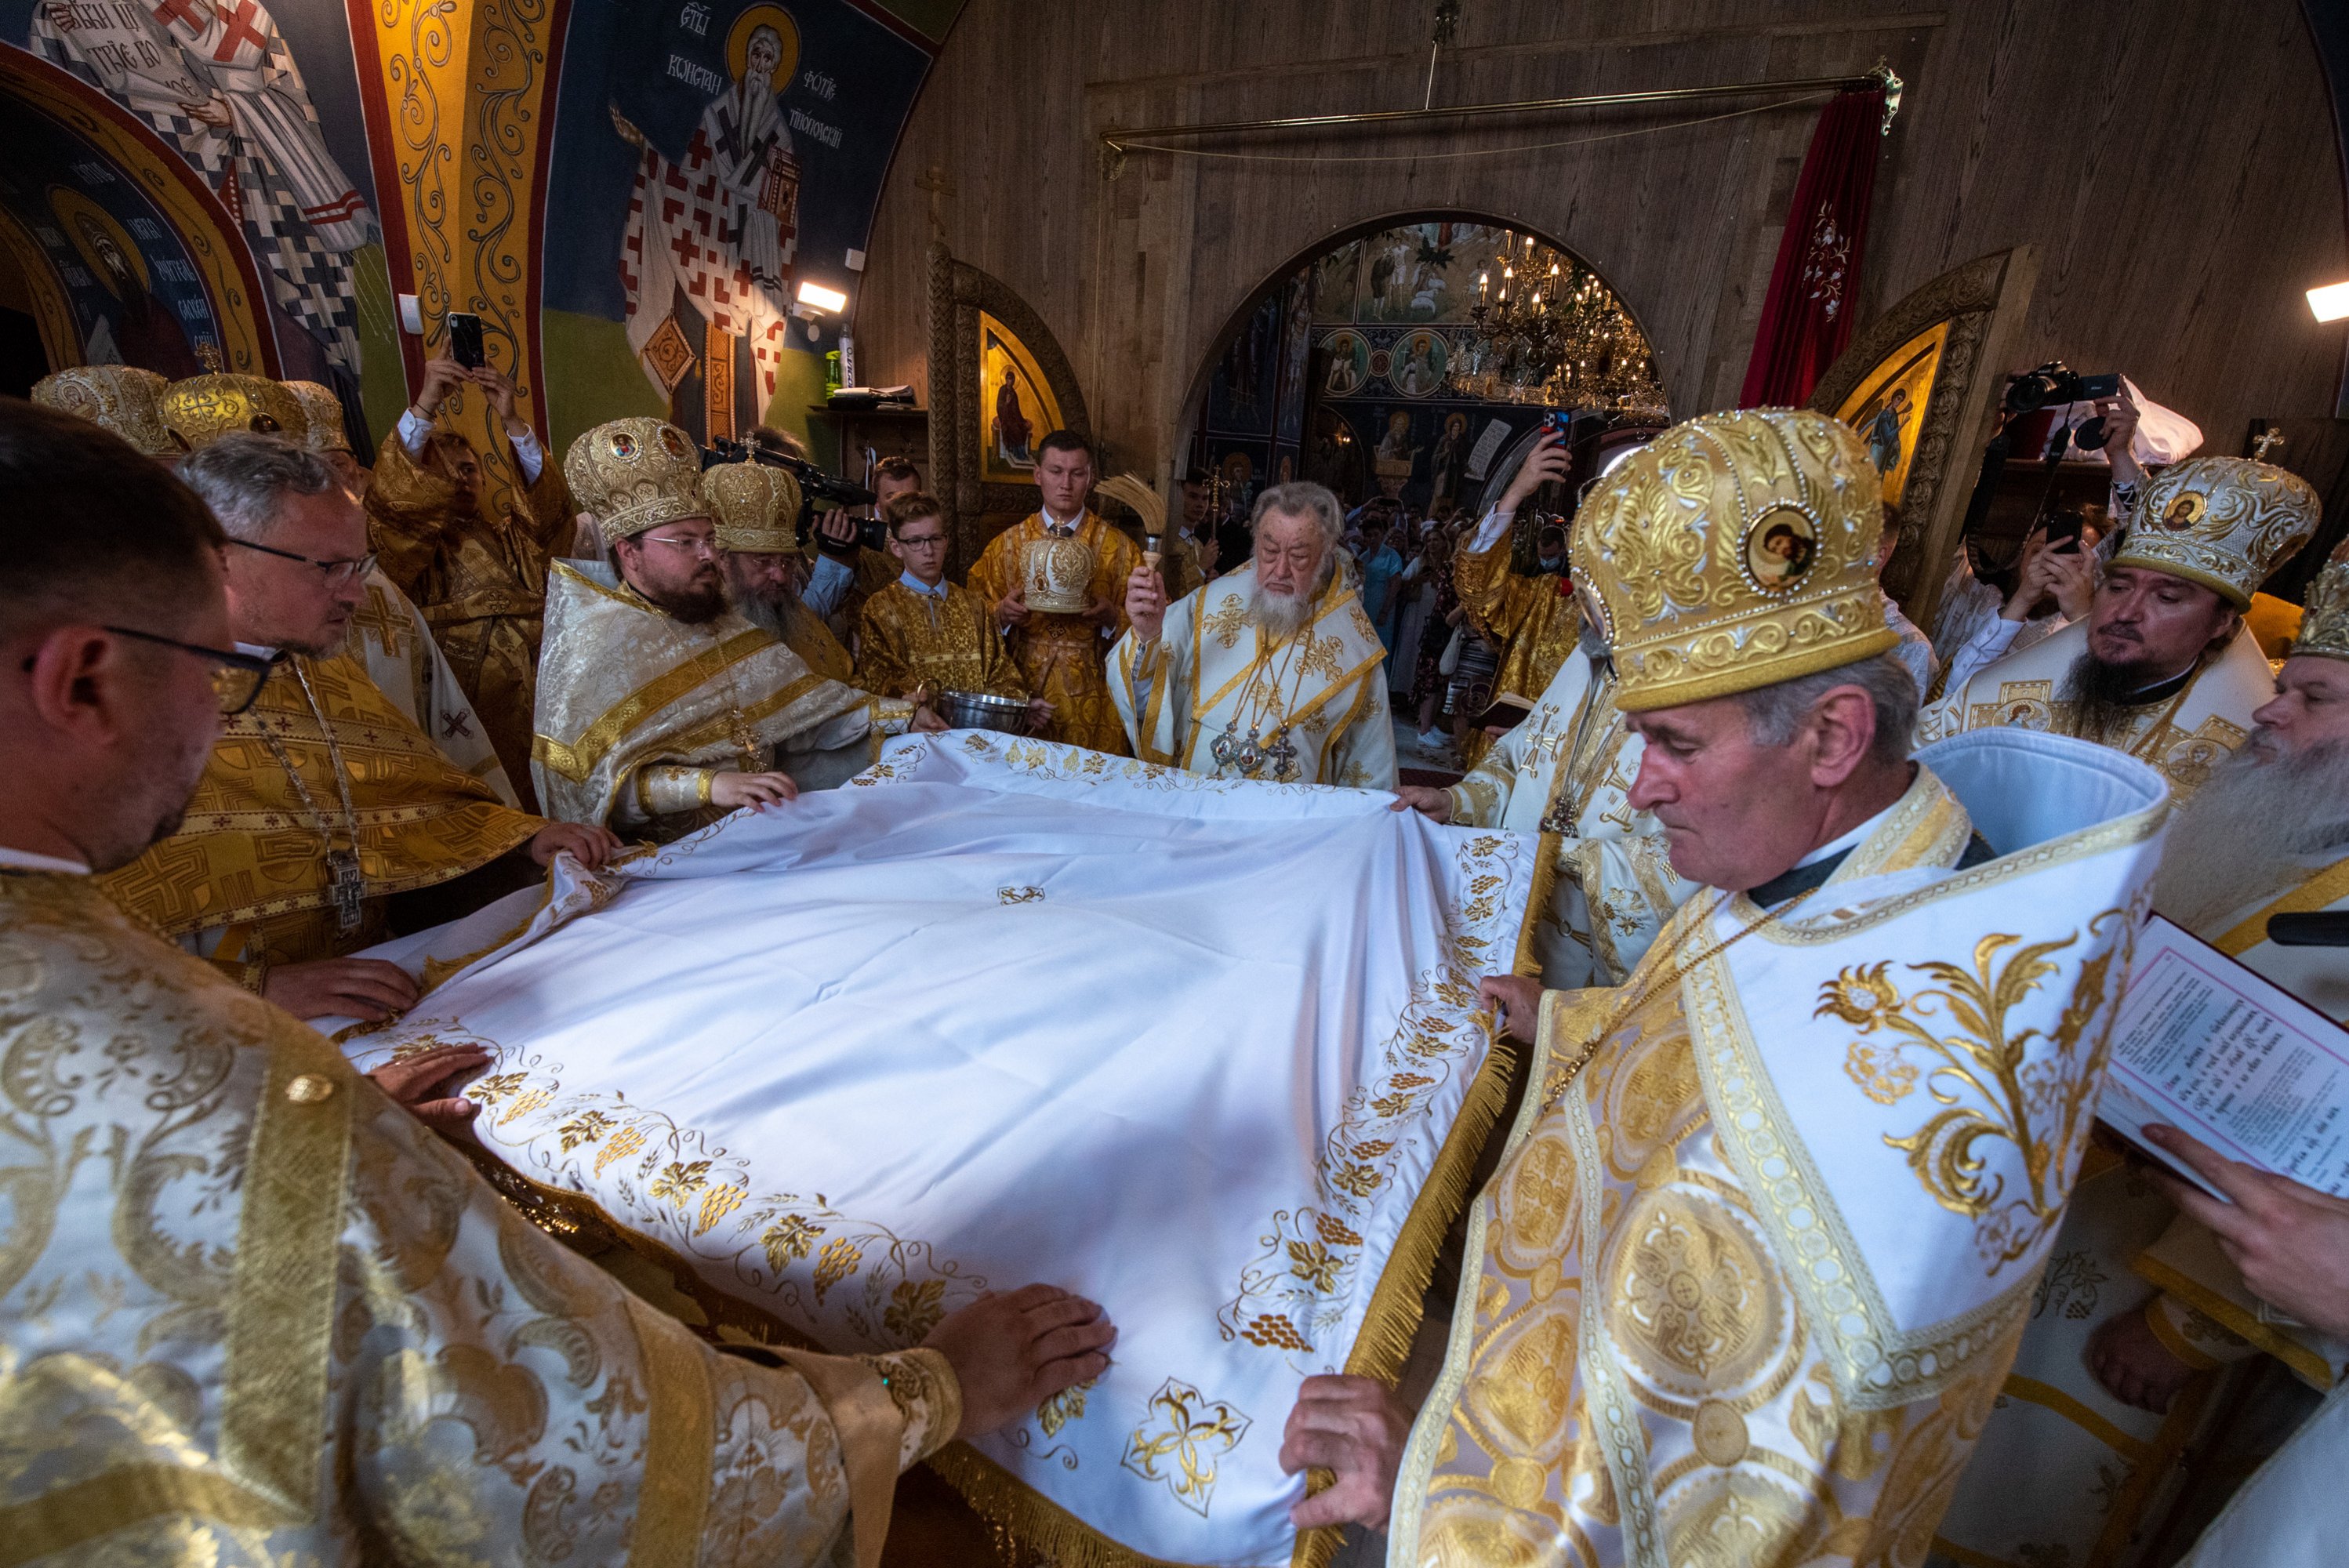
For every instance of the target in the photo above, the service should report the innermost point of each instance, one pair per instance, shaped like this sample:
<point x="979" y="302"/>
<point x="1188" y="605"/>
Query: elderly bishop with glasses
<point x="322" y="802"/>
<point x="661" y="707"/>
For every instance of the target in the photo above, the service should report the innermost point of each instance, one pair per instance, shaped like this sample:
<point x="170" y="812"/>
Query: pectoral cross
<point x="2266" y="441"/>
<point x="746" y="742"/>
<point x="346" y="886"/>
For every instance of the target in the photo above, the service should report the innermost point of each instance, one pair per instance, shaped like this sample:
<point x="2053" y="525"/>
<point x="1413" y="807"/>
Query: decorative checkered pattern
<point x="680" y="230"/>
<point x="308" y="280"/>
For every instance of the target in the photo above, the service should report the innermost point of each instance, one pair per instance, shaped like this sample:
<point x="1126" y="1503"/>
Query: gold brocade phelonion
<point x="1556" y="1091"/>
<point x="347" y="883"/>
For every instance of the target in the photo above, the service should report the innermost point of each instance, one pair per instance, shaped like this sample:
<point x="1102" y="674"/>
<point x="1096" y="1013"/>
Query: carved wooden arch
<point x="1983" y="302"/>
<point x="958" y="292"/>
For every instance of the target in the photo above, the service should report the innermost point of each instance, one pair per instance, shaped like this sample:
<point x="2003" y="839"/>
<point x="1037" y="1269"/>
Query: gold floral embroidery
<point x="1193" y="1431"/>
<point x="1980" y="1075"/>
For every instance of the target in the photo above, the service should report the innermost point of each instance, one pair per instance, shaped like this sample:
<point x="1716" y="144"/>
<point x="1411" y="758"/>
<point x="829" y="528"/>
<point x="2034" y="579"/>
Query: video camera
<point x="815" y="485"/>
<point x="2056" y="382"/>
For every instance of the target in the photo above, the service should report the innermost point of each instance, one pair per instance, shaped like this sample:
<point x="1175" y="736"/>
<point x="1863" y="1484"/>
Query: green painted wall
<point x="591" y="376"/>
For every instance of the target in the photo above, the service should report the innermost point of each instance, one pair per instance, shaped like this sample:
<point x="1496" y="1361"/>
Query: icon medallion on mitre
<point x="1056" y="576"/>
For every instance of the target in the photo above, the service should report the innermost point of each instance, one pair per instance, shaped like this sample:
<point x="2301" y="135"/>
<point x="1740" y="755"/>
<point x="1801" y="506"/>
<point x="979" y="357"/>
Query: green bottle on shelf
<point x="831" y="382"/>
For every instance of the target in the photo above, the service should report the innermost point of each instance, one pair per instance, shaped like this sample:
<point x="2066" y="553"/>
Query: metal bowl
<point x="976" y="710"/>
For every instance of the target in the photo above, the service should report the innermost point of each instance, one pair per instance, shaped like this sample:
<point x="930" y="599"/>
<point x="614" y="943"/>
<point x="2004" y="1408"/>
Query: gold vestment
<point x="1062" y="657"/>
<point x="1532" y="619"/>
<point x="639" y="711"/>
<point x="908" y="639"/>
<point x="480" y="582"/>
<point x="252" y="858"/>
<point x="253" y="1314"/>
<point x="808" y="635"/>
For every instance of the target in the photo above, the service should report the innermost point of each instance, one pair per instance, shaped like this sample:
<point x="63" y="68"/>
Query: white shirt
<point x="27" y="861"/>
<point x="908" y="580"/>
<point x="1850" y="840"/>
<point x="415" y="428"/>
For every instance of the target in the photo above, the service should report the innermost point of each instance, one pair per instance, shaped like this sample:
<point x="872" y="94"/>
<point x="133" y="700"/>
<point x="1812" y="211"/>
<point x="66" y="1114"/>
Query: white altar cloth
<point x="1004" y="1011"/>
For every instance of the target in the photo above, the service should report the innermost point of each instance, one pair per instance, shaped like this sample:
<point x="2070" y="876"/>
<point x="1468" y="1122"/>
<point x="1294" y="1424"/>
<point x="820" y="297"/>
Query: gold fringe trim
<point x="1546" y="851"/>
<point x="1400" y="1302"/>
<point x="1026" y="1520"/>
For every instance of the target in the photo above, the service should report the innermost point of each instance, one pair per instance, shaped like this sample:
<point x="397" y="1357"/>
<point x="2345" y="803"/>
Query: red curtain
<point x="1815" y="288"/>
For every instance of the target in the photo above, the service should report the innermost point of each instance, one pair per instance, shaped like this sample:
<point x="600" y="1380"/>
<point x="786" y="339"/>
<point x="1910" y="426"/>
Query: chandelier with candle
<point x="1544" y="329"/>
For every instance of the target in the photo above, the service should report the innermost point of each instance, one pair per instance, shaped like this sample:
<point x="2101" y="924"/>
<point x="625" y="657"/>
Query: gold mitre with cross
<point x="635" y="474"/>
<point x="322" y="417"/>
<point x="755" y="506"/>
<point x="2324" y="622"/>
<point x="203" y="408"/>
<point x="122" y="399"/>
<point x="2224" y="522"/>
<point x="1735" y="551"/>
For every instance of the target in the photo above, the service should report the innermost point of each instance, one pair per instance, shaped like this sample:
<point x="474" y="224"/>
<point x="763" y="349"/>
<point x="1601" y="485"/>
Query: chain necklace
<point x="1250" y="755"/>
<point x="745" y="740"/>
<point x="1565" y="811"/>
<point x="1648" y="992"/>
<point x="346" y="884"/>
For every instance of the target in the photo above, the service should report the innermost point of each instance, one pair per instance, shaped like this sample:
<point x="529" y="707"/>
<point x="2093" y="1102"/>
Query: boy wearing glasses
<point x="923" y="634"/>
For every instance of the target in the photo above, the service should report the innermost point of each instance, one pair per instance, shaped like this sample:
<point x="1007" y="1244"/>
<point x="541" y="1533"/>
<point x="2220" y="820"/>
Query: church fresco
<point x="264" y="107"/>
<point x="709" y="160"/>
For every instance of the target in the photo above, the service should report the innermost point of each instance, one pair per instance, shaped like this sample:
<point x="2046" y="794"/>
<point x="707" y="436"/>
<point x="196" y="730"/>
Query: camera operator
<point x="845" y="567"/>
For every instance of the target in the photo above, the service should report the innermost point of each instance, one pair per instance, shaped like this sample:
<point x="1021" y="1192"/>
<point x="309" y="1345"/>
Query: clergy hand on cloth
<point x="425" y="1085"/>
<point x="1354" y="1428"/>
<point x="592" y="846"/>
<point x="365" y="988"/>
<point x="1517" y="1002"/>
<point x="1012" y="1352"/>
<point x="2291" y="1242"/>
<point x="1145" y="604"/>
<point x="1433" y="804"/>
<point x="2133" y="1365"/>
<point x="759" y="790"/>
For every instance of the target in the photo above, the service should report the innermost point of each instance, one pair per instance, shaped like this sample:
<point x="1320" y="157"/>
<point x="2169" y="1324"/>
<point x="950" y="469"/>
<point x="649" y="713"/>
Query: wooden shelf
<point x="880" y="411"/>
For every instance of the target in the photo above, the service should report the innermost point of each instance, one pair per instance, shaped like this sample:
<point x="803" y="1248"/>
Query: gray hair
<point x="1773" y="713"/>
<point x="1303" y="498"/>
<point x="245" y="478"/>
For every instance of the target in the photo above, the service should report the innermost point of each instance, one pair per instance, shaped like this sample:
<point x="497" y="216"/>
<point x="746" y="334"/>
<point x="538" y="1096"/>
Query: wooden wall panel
<point x="2173" y="161"/>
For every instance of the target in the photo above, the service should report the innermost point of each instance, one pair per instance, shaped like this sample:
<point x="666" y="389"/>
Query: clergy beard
<point x="694" y="606"/>
<point x="1594" y="647"/>
<point x="760" y="612"/>
<point x="1279" y="616"/>
<point x="2240" y="838"/>
<point x="2099" y="694"/>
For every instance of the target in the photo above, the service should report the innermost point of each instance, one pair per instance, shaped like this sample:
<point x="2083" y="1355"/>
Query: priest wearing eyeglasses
<point x="661" y="707"/>
<point x="322" y="799"/>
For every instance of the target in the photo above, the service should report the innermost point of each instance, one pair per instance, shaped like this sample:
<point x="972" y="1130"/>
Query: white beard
<point x="767" y="618"/>
<point x="2246" y="833"/>
<point x="1279" y="616"/>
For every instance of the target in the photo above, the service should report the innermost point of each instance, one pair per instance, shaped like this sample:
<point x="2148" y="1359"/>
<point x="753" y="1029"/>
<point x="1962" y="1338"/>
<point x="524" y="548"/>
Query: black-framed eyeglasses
<point x="337" y="572"/>
<point x="237" y="678"/>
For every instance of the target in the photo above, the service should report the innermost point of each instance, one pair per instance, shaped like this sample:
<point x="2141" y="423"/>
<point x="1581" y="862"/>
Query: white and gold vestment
<point x="2184" y="734"/>
<point x="1745" y="1289"/>
<point x="1565" y="773"/>
<point x="1766" y="1232"/>
<point x="1213" y="696"/>
<point x="253" y="1314"/>
<point x="639" y="711"/>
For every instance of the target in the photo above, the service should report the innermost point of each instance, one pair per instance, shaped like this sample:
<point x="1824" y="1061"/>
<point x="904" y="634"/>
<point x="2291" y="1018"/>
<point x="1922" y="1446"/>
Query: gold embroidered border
<point x="1835" y="925"/>
<point x="74" y="1515"/>
<point x="575" y="762"/>
<point x="289" y="1235"/>
<point x="1876" y="1364"/>
<point x="680" y="1437"/>
<point x="2325" y="887"/>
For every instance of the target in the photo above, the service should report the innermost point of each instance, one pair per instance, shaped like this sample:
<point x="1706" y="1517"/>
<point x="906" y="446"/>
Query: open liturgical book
<point x="2204" y="1045"/>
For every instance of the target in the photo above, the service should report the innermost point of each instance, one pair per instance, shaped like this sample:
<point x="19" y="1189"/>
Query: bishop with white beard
<point x="1272" y="672"/>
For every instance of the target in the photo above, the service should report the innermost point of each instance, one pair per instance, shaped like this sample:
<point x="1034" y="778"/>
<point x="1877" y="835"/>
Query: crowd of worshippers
<point x="286" y="705"/>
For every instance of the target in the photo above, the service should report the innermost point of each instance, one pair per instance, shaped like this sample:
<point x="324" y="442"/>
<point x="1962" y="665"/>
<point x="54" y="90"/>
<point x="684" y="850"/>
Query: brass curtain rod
<point x="1116" y="140"/>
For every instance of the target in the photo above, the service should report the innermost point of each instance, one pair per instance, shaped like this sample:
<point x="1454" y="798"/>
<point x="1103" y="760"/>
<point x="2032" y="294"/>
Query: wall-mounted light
<point x="823" y="298"/>
<point x="2330" y="302"/>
